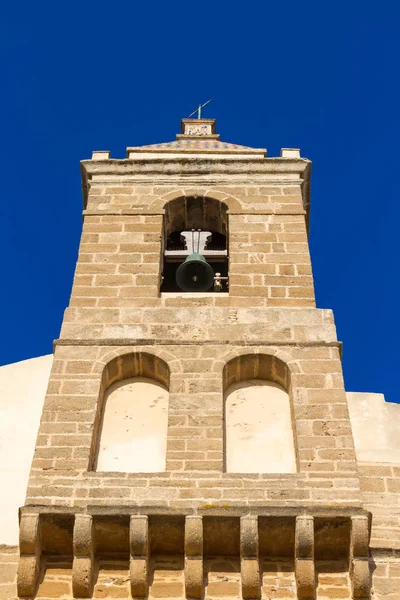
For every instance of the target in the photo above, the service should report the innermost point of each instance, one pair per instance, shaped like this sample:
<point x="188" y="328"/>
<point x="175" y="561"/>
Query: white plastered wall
<point x="22" y="391"/>
<point x="376" y="427"/>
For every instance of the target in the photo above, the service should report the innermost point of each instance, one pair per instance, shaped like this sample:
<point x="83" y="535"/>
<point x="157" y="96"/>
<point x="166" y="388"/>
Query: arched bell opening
<point x="195" y="245"/>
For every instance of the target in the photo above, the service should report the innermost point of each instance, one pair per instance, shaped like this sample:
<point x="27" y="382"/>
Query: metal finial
<point x="198" y="110"/>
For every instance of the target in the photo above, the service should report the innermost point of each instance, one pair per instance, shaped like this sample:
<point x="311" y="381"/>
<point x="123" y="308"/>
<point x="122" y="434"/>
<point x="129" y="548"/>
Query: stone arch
<point x="232" y="202"/>
<point x="257" y="365"/>
<point x="134" y="393"/>
<point x="162" y="354"/>
<point x="282" y="356"/>
<point x="187" y="212"/>
<point x="258" y="415"/>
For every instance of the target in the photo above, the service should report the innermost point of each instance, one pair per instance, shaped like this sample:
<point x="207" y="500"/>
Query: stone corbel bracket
<point x="83" y="564"/>
<point x="194" y="557"/>
<point x="139" y="555"/>
<point x="194" y="536"/>
<point x="30" y="555"/>
<point x="304" y="557"/>
<point x="359" y="557"/>
<point x="249" y="557"/>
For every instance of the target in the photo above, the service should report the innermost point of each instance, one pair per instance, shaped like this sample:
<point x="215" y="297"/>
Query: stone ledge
<point x="206" y="510"/>
<point x="199" y="164"/>
<point x="147" y="342"/>
<point x="112" y="212"/>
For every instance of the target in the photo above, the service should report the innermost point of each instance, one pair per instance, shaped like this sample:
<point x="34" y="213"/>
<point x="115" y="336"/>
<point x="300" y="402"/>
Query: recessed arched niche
<point x="259" y="429"/>
<point x="132" y="415"/>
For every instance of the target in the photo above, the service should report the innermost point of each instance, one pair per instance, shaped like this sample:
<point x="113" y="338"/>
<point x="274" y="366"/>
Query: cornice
<point x="182" y="169"/>
<point x="191" y="165"/>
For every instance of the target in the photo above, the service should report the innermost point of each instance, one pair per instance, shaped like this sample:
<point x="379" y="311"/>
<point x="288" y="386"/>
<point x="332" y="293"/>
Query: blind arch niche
<point x="258" y="416"/>
<point x="133" y="415"/>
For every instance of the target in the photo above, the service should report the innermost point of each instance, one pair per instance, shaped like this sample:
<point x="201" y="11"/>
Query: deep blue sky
<point x="322" y="76"/>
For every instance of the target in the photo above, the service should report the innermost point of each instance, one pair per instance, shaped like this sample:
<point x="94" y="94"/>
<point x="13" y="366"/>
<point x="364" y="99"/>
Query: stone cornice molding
<point x="161" y="212"/>
<point x="262" y="511"/>
<point x="194" y="166"/>
<point x="171" y="342"/>
<point x="291" y="170"/>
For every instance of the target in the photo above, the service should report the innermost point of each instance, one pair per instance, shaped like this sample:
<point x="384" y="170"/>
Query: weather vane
<point x="198" y="110"/>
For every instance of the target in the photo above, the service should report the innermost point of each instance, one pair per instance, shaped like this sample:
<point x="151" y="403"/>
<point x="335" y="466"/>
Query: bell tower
<point x="195" y="439"/>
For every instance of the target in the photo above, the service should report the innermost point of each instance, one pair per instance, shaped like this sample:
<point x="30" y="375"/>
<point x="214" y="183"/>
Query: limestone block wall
<point x="380" y="487"/>
<point x="119" y="260"/>
<point x="379" y="483"/>
<point x="265" y="327"/>
<point x="222" y="578"/>
<point x="199" y="318"/>
<point x="9" y="556"/>
<point x="269" y="309"/>
<point x="61" y="472"/>
<point x="192" y="527"/>
<point x="376" y="431"/>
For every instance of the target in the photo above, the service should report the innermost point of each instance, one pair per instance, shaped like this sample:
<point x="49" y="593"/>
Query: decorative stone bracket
<point x="304" y="557"/>
<point x="84" y="551"/>
<point x="249" y="563"/>
<point x="30" y="555"/>
<point x="139" y="555"/>
<point x="196" y="536"/>
<point x="359" y="567"/>
<point x="194" y="557"/>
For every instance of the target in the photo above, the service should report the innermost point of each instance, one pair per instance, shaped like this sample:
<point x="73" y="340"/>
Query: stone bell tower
<point x="195" y="438"/>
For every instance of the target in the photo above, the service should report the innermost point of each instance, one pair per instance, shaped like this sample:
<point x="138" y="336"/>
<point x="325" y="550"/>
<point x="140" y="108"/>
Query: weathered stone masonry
<point x="196" y="529"/>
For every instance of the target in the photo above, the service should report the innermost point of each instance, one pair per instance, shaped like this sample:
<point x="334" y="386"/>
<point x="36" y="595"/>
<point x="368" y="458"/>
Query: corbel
<point x="83" y="563"/>
<point x="139" y="555"/>
<point x="304" y="557"/>
<point x="194" y="556"/>
<point x="30" y="555"/>
<point x="359" y="557"/>
<point x="249" y="557"/>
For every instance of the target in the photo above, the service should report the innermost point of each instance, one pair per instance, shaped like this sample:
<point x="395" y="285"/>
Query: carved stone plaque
<point x="200" y="129"/>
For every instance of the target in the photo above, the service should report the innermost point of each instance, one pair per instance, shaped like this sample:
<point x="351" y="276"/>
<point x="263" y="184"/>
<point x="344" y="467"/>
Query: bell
<point x="195" y="274"/>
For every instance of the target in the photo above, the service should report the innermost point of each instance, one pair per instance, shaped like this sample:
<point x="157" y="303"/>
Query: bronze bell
<point x="195" y="274"/>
